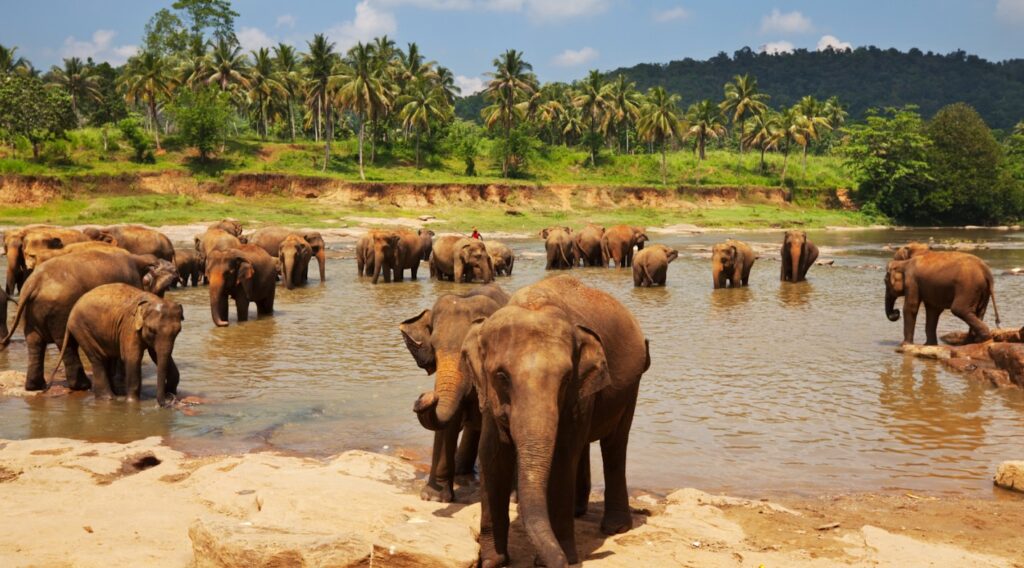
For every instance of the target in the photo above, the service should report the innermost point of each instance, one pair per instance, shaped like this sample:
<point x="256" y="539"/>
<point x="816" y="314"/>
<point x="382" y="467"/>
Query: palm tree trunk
<point x="805" y="159"/>
<point x="508" y="141"/>
<point x="762" y="158"/>
<point x="664" y="173"/>
<point x="291" y="117"/>
<point x="701" y="142"/>
<point x="328" y="134"/>
<point x="362" y="132"/>
<point x="417" y="150"/>
<point x="156" y="125"/>
<point x="785" y="163"/>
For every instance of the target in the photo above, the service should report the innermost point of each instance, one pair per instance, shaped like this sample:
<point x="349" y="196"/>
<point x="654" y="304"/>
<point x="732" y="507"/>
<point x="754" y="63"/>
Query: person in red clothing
<point x="476" y="234"/>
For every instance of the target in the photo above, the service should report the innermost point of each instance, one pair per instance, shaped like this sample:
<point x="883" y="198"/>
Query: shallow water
<point x="773" y="388"/>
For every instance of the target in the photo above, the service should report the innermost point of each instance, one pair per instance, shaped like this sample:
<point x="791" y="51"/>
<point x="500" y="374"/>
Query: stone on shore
<point x="1010" y="475"/>
<point x="1010" y="358"/>
<point x="12" y="383"/>
<point x="926" y="351"/>
<point x="999" y="335"/>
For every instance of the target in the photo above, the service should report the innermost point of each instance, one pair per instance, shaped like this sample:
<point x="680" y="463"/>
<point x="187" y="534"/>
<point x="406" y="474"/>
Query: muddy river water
<point x="773" y="388"/>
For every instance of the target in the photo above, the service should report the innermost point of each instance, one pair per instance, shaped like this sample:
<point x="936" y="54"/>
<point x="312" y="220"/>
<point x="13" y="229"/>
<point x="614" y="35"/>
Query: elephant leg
<point x="399" y="274"/>
<point x="414" y="270"/>
<point x="910" y="306"/>
<point x="74" y="371"/>
<point x="115" y="374"/>
<point x="242" y="309"/>
<point x="133" y="376"/>
<point x="932" y="314"/>
<point x="101" y="369"/>
<point x="979" y="331"/>
<point x="34" y="379"/>
<point x="497" y="474"/>
<point x="583" y="483"/>
<point x="562" y="491"/>
<point x="617" y="515"/>
<point x="441" y="483"/>
<point x="265" y="307"/>
<point x="465" y="457"/>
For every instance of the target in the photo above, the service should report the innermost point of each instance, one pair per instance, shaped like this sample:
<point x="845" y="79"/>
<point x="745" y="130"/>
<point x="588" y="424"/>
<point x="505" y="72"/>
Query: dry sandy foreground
<point x="81" y="504"/>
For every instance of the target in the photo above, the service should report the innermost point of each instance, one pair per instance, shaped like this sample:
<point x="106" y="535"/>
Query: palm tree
<point x="1018" y="130"/>
<point x="812" y="123"/>
<point x="742" y="100"/>
<point x="624" y="103"/>
<point x="286" y="63"/>
<point x="362" y="90"/>
<point x="659" y="122"/>
<point x="226" y="66"/>
<point x="706" y="122"/>
<point x="422" y="105"/>
<point x="446" y="80"/>
<point x="263" y="84"/>
<point x="76" y="78"/>
<point x="9" y="63"/>
<point x="836" y="114"/>
<point x="791" y="132"/>
<point x="572" y="124"/>
<point x="512" y="82"/>
<point x="147" y="78"/>
<point x="591" y="99"/>
<point x="319" y="66"/>
<point x="765" y="133"/>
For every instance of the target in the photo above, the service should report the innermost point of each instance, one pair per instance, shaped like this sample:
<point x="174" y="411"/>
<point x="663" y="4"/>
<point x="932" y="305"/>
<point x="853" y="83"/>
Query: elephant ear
<point x="592" y="366"/>
<point x="672" y="254"/>
<point x="473" y="367"/>
<point x="416" y="333"/>
<point x="245" y="270"/>
<point x="140" y="315"/>
<point x="544" y="233"/>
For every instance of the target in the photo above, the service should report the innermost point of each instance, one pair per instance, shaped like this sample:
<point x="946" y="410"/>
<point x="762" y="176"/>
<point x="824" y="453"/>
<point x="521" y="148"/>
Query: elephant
<point x="270" y="238"/>
<point x="502" y="257"/>
<point x="14" y="240"/>
<point x="376" y="254"/>
<point x="650" y="266"/>
<point x="618" y="242"/>
<point x="115" y="325"/>
<point x="215" y="239"/>
<point x="461" y="259"/>
<point x="135" y="239"/>
<point x="798" y="256"/>
<point x="427" y="236"/>
<point x="730" y="264"/>
<point x="434" y="338"/>
<point x="40" y="242"/>
<point x="408" y="253"/>
<point x="230" y="226"/>
<point x="52" y="290"/>
<point x="956" y="281"/>
<point x="294" y="254"/>
<point x="557" y="368"/>
<point x="910" y="250"/>
<point x="190" y="264"/>
<point x="46" y="255"/>
<point x="4" y="298"/>
<point x="247" y="274"/>
<point x="561" y="251"/>
<point x="588" y="246"/>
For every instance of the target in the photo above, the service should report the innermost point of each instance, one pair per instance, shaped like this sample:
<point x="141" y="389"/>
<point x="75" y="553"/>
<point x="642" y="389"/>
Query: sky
<point x="563" y="39"/>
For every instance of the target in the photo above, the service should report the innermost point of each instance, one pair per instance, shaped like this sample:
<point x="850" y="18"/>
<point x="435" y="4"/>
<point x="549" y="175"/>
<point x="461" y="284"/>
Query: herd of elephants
<point x="528" y="380"/>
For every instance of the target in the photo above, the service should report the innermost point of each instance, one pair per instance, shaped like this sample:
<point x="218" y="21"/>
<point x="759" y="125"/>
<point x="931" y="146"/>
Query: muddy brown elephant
<point x="434" y="338"/>
<point x="14" y="241"/>
<point x="957" y="281"/>
<point x="408" y="254"/>
<point x="376" y="254"/>
<point x="910" y="250"/>
<point x="116" y="325"/>
<point x="618" y="242"/>
<point x="502" y="257"/>
<point x="731" y="262"/>
<point x="588" y="246"/>
<point x="246" y="274"/>
<point x="559" y="247"/>
<point x="215" y="239"/>
<point x="427" y="236"/>
<point x="461" y="259"/>
<point x="190" y="265"/>
<point x="294" y="254"/>
<point x="555" y="369"/>
<point x="39" y="243"/>
<point x="230" y="226"/>
<point x="135" y="239"/>
<point x="44" y="256"/>
<point x="50" y="293"/>
<point x="798" y="256"/>
<point x="650" y="266"/>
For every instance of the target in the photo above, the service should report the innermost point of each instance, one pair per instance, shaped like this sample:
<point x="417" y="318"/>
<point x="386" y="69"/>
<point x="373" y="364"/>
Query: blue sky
<point x="562" y="38"/>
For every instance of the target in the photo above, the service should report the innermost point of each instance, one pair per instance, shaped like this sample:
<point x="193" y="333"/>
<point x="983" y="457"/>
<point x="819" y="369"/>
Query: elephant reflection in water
<point x="796" y="294"/>
<point x="729" y="298"/>
<point x="81" y="417"/>
<point x="925" y="414"/>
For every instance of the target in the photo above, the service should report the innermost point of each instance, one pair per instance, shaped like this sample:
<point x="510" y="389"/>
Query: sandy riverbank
<point x="73" y="503"/>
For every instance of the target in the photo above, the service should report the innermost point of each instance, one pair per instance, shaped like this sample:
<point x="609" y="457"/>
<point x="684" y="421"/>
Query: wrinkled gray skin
<point x="555" y="369"/>
<point x="427" y="236"/>
<point x="461" y="259"/>
<point x="618" y="242"/>
<point x="502" y="257"/>
<point x="116" y="325"/>
<point x="730" y="264"/>
<point x="560" y="248"/>
<point x="798" y="256"/>
<point x="588" y="246"/>
<point x="650" y="266"/>
<point x="434" y="338"/>
<point x="409" y="253"/>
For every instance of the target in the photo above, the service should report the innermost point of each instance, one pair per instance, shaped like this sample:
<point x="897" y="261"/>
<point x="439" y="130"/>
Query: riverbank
<point x="88" y="504"/>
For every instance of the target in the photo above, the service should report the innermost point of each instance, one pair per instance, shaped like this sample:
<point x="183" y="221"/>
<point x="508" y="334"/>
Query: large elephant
<point x="956" y="281"/>
<point x="14" y="241"/>
<point x="191" y="265"/>
<point x="560" y="248"/>
<point x="270" y="239"/>
<point x="502" y="257"/>
<point x="4" y="298"/>
<point x="115" y="325"/>
<point x="434" y="338"/>
<point x="247" y="274"/>
<point x="231" y="226"/>
<point x="427" y="236"/>
<point x="408" y="253"/>
<point x="798" y="256"/>
<point x="730" y="264"/>
<point x="52" y="290"/>
<point x="163" y="277"/>
<point x="135" y="239"/>
<point x="555" y="369"/>
<point x="910" y="250"/>
<point x="215" y="239"/>
<point x="618" y="242"/>
<point x="650" y="266"/>
<point x="294" y="254"/>
<point x="461" y="259"/>
<point x="40" y="242"/>
<point x="46" y="255"/>
<point x="376" y="254"/>
<point x="588" y="246"/>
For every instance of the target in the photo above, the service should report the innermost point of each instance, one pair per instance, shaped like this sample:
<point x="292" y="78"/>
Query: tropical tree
<point x="29" y="109"/>
<point x="76" y="78"/>
<point x="263" y="85"/>
<point x="591" y="98"/>
<point x="423" y="105"/>
<point x="512" y="82"/>
<point x="764" y="133"/>
<point x="148" y="78"/>
<point x="226" y="66"/>
<point x="706" y="122"/>
<point x="9" y="63"/>
<point x="289" y="75"/>
<point x="623" y="105"/>
<point x="1018" y="130"/>
<point x="362" y="90"/>
<point x="742" y="100"/>
<point x="572" y="124"/>
<point x="446" y="80"/>
<point x="659" y="122"/>
<point x="319" y="66"/>
<point x="811" y="122"/>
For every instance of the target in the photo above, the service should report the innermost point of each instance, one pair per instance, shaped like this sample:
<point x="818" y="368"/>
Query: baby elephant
<point x="115" y="325"/>
<point x="730" y="264"/>
<point x="650" y="266"/>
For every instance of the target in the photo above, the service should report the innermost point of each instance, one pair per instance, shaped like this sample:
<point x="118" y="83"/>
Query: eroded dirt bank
<point x="72" y="503"/>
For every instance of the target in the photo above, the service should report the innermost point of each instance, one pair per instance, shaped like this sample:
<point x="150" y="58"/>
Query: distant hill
<point x="863" y="78"/>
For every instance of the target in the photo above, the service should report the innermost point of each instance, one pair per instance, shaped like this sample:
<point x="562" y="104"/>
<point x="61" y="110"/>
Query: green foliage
<point x="516" y="151"/>
<point x="131" y="129"/>
<point x="463" y="142"/>
<point x="203" y="119"/>
<point x="29" y="109"/>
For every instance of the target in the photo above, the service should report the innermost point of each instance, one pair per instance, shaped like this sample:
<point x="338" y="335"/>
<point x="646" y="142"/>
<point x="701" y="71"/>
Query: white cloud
<point x="369" y="22"/>
<point x="553" y="10"/>
<point x="1010" y="11"/>
<point x="791" y="22"/>
<point x="100" y="47"/>
<point x="469" y="85"/>
<point x="254" y="38"/>
<point x="777" y="47"/>
<point x="285" y="21"/>
<point x="671" y="15"/>
<point x="832" y="41"/>
<point x="540" y="11"/>
<point x="575" y="57"/>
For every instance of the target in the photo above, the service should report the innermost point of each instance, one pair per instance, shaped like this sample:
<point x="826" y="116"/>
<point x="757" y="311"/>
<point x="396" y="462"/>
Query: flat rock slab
<point x="1010" y="475"/>
<point x="999" y="335"/>
<point x="1010" y="358"/>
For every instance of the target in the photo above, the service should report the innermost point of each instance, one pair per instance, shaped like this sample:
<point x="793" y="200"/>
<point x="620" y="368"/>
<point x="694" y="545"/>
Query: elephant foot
<point x="616" y="522"/>
<point x="494" y="560"/>
<point x="80" y="385"/>
<point x="463" y="468"/>
<point x="438" y="494"/>
<point x="35" y="385"/>
<point x="571" y="558"/>
<point x="581" y="509"/>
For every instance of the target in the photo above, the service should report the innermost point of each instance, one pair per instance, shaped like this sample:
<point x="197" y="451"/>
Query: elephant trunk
<point x="163" y="367"/>
<point x="289" y="270"/>
<point x="218" y="301"/>
<point x="11" y="274"/>
<point x="378" y="265"/>
<point x="890" y="307"/>
<point x="437" y="408"/>
<point x="535" y="451"/>
<point x="321" y="259"/>
<point x="795" y="261"/>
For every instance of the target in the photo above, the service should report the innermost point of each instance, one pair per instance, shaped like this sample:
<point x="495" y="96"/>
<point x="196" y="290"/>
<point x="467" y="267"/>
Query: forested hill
<point x="862" y="79"/>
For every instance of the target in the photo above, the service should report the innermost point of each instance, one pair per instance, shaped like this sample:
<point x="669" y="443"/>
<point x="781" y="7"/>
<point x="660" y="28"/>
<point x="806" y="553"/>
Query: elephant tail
<point x="995" y="308"/>
<point x="24" y="301"/>
<point x="561" y="251"/>
<point x="60" y="358"/>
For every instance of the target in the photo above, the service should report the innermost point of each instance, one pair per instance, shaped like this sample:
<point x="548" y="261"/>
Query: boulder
<point x="999" y="335"/>
<point x="926" y="351"/>
<point x="961" y="364"/>
<point x="1010" y="475"/>
<point x="972" y="351"/>
<point x="1010" y="358"/>
<point x="995" y="377"/>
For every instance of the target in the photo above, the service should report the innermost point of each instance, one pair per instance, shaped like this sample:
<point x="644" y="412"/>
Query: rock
<point x="1002" y="334"/>
<point x="960" y="364"/>
<point x="514" y="212"/>
<point x="222" y="545"/>
<point x="426" y="218"/>
<point x="12" y="383"/>
<point x="994" y="377"/>
<point x="1010" y="475"/>
<point x="1014" y="272"/>
<point x="826" y="262"/>
<point x="972" y="351"/>
<point x="1010" y="358"/>
<point x="926" y="351"/>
